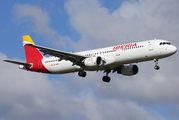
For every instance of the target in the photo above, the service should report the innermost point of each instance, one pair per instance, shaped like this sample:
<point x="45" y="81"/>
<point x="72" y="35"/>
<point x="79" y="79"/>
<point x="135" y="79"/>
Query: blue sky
<point x="75" y="25"/>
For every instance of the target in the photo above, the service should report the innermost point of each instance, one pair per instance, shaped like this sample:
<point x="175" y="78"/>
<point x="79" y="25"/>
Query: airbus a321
<point x="119" y="58"/>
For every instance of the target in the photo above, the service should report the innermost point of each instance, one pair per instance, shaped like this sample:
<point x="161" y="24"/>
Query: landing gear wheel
<point x="82" y="73"/>
<point x="157" y="67"/>
<point x="156" y="64"/>
<point x="106" y="79"/>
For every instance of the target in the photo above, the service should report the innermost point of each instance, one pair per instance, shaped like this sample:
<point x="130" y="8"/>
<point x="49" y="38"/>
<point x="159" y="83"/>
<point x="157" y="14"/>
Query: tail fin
<point x="32" y="54"/>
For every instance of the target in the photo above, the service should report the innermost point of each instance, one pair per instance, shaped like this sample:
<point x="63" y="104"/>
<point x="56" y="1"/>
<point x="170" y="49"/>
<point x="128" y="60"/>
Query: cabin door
<point x="117" y="52"/>
<point x="151" y="45"/>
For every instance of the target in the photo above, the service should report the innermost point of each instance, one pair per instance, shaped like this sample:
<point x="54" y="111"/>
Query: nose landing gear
<point x="156" y="67"/>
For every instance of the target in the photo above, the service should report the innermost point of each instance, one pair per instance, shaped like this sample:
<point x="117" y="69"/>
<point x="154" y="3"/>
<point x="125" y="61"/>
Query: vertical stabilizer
<point x="32" y="54"/>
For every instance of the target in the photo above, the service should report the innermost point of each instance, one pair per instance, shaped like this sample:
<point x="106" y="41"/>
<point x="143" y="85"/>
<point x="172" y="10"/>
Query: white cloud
<point x="34" y="95"/>
<point x="35" y="17"/>
<point x="132" y="21"/>
<point x="105" y="109"/>
<point x="28" y="95"/>
<point x="39" y="21"/>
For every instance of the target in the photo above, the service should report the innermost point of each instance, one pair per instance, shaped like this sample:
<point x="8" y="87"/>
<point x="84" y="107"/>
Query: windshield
<point x="165" y="43"/>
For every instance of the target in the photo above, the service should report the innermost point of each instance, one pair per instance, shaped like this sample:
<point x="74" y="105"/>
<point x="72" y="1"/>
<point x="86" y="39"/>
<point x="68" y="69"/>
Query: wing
<point x="74" y="58"/>
<point x="19" y="63"/>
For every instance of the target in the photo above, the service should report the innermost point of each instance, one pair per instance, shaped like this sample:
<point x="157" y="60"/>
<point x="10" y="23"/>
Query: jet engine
<point x="94" y="61"/>
<point x="128" y="70"/>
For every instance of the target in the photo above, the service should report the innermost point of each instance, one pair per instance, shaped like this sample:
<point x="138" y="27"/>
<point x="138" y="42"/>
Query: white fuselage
<point x="114" y="56"/>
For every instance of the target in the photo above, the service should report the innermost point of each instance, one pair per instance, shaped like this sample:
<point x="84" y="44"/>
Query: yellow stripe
<point x="27" y="39"/>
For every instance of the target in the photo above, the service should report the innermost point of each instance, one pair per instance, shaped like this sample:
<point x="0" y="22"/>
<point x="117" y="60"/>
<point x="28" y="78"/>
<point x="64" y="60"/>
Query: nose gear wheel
<point x="156" y="67"/>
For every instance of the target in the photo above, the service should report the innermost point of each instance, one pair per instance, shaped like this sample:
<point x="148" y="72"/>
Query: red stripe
<point x="32" y="54"/>
<point x="38" y="67"/>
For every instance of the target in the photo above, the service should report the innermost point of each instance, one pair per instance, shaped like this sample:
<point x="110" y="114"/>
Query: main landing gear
<point x="107" y="78"/>
<point x="156" y="67"/>
<point x="82" y="73"/>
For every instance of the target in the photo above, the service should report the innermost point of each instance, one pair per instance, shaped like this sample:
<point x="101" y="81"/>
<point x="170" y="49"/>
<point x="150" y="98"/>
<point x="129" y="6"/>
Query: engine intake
<point x="99" y="61"/>
<point x="129" y="70"/>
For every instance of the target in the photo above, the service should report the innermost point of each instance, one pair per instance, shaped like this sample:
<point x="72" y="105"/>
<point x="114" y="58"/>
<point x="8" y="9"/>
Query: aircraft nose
<point x="174" y="49"/>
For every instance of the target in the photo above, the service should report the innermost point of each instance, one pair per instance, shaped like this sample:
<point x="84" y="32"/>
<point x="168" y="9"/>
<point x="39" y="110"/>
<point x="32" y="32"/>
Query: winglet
<point x="27" y="39"/>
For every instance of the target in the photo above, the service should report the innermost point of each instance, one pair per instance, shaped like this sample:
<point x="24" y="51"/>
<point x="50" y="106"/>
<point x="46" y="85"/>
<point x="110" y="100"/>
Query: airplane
<point x="119" y="58"/>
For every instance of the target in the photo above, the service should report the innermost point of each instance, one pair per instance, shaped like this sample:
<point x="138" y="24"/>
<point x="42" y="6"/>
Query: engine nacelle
<point x="129" y="70"/>
<point x="94" y="61"/>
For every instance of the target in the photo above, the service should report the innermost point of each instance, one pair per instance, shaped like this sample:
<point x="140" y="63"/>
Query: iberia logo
<point x="125" y="46"/>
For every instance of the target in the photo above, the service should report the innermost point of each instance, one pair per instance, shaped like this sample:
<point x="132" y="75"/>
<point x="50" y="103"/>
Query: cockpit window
<point x="168" y="43"/>
<point x="165" y="43"/>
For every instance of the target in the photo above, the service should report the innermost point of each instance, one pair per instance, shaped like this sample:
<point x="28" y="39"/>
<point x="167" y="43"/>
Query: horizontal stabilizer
<point x="19" y="63"/>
